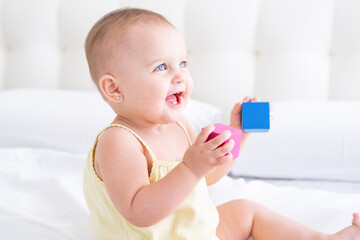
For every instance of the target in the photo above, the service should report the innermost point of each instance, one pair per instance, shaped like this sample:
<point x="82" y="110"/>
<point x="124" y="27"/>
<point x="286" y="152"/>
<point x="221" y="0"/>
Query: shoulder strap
<point x="185" y="131"/>
<point x="138" y="137"/>
<point x="132" y="132"/>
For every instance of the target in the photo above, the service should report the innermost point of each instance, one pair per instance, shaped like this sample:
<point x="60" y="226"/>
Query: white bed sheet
<point x="41" y="197"/>
<point x="320" y="209"/>
<point x="328" y="185"/>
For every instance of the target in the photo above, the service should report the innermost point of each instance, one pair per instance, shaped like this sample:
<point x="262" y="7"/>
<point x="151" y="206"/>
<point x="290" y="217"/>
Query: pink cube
<point x="235" y="135"/>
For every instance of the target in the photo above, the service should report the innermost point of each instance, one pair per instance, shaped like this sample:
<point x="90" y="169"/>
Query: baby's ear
<point x="110" y="88"/>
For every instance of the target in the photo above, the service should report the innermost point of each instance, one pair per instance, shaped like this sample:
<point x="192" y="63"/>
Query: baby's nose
<point x="178" y="78"/>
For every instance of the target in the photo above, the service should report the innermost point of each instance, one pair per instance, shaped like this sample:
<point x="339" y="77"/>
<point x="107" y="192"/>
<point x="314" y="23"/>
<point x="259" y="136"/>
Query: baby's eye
<point x="183" y="64"/>
<point x="161" y="67"/>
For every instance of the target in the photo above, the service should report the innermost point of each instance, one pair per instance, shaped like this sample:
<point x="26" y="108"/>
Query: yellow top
<point x="196" y="218"/>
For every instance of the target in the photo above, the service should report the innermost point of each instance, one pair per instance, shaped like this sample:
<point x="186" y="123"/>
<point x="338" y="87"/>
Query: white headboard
<point x="276" y="49"/>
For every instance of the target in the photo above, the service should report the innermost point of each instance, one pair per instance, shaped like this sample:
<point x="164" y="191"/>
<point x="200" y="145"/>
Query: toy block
<point x="255" y="117"/>
<point x="235" y="135"/>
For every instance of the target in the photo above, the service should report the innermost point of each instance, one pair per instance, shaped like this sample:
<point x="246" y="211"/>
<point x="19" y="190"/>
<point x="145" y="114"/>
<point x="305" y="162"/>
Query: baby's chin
<point x="174" y="117"/>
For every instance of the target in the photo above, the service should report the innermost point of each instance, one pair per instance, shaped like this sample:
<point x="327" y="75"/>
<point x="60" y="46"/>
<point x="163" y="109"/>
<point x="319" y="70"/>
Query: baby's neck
<point x="141" y="126"/>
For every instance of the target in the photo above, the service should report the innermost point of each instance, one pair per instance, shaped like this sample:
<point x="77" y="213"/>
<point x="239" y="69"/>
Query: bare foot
<point x="356" y="219"/>
<point x="350" y="233"/>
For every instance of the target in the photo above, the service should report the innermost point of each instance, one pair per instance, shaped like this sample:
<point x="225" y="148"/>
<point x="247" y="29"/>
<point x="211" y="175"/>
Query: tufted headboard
<point x="276" y="49"/>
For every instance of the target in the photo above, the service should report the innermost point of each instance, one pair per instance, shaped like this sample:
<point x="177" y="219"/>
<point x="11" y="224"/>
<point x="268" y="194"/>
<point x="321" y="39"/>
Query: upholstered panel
<point x="220" y="37"/>
<point x="345" y="51"/>
<point x="277" y="49"/>
<point x="292" y="46"/>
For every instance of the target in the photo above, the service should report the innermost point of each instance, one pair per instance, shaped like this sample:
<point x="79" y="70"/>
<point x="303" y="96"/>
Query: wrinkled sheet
<point x="320" y="209"/>
<point x="41" y="197"/>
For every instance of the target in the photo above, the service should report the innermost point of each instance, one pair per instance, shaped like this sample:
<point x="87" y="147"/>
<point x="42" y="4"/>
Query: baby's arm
<point x="126" y="175"/>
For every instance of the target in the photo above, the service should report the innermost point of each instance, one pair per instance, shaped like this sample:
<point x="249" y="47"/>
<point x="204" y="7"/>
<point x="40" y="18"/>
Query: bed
<point x="300" y="55"/>
<point x="44" y="147"/>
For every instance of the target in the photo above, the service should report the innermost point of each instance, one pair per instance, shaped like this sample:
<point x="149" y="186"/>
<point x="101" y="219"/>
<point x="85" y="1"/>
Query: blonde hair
<point x="113" y="24"/>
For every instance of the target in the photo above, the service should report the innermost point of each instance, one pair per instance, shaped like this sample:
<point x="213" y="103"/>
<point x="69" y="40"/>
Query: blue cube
<point x="255" y="117"/>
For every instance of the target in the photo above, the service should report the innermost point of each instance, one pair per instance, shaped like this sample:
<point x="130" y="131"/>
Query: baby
<point x="147" y="174"/>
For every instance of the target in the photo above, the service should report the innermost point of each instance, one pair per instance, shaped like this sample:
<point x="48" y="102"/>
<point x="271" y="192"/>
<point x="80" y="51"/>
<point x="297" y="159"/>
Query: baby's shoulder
<point x="118" y="153"/>
<point x="116" y="139"/>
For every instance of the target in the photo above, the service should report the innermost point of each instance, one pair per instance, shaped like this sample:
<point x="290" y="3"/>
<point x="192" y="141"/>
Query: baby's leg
<point x="240" y="219"/>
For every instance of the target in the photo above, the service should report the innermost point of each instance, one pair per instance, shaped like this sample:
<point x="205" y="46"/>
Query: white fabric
<point x="277" y="49"/>
<point x="307" y="140"/>
<point x="41" y="197"/>
<point x="331" y="186"/>
<point x="68" y="120"/>
<point x="322" y="210"/>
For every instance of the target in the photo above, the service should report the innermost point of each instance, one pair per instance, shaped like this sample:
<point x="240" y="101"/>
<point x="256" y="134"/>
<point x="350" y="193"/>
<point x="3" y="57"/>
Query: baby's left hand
<point x="235" y="117"/>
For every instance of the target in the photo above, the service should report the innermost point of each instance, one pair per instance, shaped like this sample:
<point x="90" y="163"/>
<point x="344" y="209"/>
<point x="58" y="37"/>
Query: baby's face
<point x="152" y="69"/>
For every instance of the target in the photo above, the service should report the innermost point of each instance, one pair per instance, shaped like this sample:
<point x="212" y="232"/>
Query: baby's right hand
<point x="204" y="156"/>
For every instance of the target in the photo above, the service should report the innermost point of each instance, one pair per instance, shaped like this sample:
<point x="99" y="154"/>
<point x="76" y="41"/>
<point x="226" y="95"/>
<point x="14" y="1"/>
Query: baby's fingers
<point x="226" y="158"/>
<point x="224" y="150"/>
<point x="204" y="134"/>
<point x="255" y="99"/>
<point x="271" y="114"/>
<point x="218" y="140"/>
<point x="246" y="99"/>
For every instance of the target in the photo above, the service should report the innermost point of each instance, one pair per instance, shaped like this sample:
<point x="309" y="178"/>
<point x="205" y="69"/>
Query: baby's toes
<point x="356" y="219"/>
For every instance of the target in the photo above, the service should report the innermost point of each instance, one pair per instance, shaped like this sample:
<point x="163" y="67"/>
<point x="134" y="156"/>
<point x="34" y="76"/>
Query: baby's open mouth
<point x="175" y="98"/>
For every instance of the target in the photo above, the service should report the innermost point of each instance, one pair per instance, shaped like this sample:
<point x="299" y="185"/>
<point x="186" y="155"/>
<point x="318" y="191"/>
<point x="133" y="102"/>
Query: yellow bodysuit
<point x="196" y="218"/>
